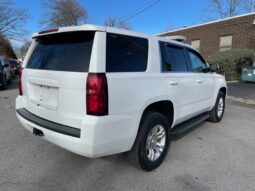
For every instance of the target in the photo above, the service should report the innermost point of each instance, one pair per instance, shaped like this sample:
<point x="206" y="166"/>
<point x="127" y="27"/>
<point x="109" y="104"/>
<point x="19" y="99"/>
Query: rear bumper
<point x="63" y="129"/>
<point x="99" y="136"/>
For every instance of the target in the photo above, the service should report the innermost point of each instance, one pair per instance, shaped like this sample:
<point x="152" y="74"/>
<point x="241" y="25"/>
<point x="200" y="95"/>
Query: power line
<point x="135" y="11"/>
<point x="139" y="11"/>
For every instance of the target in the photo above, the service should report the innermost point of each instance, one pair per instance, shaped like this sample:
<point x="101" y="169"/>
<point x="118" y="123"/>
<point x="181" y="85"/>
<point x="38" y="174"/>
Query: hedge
<point x="231" y="62"/>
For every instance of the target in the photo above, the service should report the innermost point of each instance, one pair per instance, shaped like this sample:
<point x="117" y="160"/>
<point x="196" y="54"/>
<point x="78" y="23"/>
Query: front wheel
<point x="216" y="114"/>
<point x="152" y="142"/>
<point x="10" y="80"/>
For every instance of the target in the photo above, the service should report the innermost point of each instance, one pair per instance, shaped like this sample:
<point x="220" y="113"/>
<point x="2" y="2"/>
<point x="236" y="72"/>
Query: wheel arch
<point x="165" y="107"/>
<point x="161" y="106"/>
<point x="224" y="90"/>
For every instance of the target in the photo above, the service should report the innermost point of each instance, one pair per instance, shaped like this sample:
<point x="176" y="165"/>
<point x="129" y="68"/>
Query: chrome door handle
<point x="173" y="83"/>
<point x="200" y="81"/>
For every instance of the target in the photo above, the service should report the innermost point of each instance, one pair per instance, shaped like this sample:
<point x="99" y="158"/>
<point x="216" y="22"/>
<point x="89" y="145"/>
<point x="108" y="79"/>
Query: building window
<point x="195" y="44"/>
<point x="225" y="43"/>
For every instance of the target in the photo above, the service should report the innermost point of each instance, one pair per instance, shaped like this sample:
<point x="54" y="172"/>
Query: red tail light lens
<point x="20" y="82"/>
<point x="97" y="94"/>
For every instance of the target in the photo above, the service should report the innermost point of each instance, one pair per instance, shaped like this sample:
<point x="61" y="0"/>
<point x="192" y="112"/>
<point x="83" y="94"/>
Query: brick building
<point x="232" y="33"/>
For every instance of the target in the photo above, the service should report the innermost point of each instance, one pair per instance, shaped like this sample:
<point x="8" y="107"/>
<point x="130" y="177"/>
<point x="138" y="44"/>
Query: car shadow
<point x="179" y="136"/>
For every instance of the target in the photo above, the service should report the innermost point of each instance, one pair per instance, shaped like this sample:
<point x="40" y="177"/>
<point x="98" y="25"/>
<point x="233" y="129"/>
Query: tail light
<point x="97" y="94"/>
<point x="20" y="82"/>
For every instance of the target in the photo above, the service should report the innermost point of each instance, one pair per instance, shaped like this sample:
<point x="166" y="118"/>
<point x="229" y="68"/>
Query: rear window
<point x="13" y="62"/>
<point x="70" y="51"/>
<point x="126" y="53"/>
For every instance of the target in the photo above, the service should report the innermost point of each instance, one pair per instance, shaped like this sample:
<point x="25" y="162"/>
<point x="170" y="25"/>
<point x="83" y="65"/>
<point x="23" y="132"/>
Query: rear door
<point x="55" y="76"/>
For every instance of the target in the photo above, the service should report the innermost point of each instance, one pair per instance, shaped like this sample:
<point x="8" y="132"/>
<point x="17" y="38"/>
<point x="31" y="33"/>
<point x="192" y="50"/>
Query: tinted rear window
<point x="69" y="51"/>
<point x="126" y="53"/>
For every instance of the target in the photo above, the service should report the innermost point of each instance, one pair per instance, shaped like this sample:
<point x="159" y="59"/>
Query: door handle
<point x="173" y="83"/>
<point x="200" y="81"/>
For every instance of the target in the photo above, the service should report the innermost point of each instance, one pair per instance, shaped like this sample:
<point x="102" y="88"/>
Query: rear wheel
<point x="216" y="114"/>
<point x="10" y="80"/>
<point x="152" y="142"/>
<point x="4" y="84"/>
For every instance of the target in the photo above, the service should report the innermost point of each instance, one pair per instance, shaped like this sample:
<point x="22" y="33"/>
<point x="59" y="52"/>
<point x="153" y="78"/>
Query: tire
<point x="142" y="149"/>
<point x="10" y="81"/>
<point x="13" y="75"/>
<point x="4" y="84"/>
<point x="216" y="114"/>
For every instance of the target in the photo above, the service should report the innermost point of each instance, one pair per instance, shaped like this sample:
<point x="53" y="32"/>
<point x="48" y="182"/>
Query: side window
<point x="173" y="58"/>
<point x="126" y="53"/>
<point x="197" y="62"/>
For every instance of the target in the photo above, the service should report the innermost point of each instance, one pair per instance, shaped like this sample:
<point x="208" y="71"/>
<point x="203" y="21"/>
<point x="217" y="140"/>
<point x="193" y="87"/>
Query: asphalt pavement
<point x="242" y="90"/>
<point x="218" y="157"/>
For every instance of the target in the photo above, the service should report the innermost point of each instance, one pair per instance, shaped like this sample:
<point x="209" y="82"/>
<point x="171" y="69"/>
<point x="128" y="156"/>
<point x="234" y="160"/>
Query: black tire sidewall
<point x="4" y="84"/>
<point x="10" y="80"/>
<point x="148" y="124"/>
<point x="220" y="95"/>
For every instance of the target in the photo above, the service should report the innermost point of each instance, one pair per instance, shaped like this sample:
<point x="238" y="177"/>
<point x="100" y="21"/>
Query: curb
<point x="234" y="81"/>
<point x="241" y="100"/>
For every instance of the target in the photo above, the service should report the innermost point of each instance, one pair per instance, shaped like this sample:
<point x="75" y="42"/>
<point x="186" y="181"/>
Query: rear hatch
<point x="55" y="76"/>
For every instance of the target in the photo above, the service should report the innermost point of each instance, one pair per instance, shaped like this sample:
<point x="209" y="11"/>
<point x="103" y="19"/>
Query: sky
<point x="165" y="14"/>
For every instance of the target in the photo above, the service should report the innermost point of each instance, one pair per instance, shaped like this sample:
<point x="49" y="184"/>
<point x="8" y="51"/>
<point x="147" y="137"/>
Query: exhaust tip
<point x="38" y="132"/>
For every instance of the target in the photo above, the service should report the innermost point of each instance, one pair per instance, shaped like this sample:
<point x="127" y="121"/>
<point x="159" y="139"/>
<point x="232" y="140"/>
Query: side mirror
<point x="6" y="65"/>
<point x="214" y="67"/>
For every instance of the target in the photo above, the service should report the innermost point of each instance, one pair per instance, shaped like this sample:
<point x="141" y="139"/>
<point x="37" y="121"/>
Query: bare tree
<point x="12" y="20"/>
<point x="249" y="6"/>
<point x="59" y="13"/>
<point x="6" y="48"/>
<point x="23" y="49"/>
<point x="114" y="22"/>
<point x="225" y="8"/>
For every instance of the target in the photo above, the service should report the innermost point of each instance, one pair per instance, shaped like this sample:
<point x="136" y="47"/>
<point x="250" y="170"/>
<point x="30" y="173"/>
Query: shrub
<point x="231" y="62"/>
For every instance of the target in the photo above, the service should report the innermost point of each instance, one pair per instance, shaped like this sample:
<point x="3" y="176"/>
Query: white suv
<point x="98" y="91"/>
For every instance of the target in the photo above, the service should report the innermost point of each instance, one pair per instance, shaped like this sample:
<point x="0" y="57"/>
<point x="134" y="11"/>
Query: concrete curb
<point x="241" y="100"/>
<point x="234" y="81"/>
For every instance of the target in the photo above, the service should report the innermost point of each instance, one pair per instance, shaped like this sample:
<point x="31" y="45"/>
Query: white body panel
<point x="62" y="98"/>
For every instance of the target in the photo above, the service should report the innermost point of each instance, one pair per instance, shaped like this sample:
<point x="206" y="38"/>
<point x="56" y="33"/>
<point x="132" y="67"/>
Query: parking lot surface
<point x="242" y="90"/>
<point x="212" y="157"/>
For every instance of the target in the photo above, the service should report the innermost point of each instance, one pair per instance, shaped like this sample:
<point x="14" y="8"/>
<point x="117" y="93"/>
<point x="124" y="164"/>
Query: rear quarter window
<point x="70" y="51"/>
<point x="126" y="53"/>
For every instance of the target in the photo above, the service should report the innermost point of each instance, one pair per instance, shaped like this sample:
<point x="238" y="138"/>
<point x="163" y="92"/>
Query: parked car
<point x="5" y="73"/>
<point x="11" y="69"/>
<point x="98" y="91"/>
<point x="15" y="65"/>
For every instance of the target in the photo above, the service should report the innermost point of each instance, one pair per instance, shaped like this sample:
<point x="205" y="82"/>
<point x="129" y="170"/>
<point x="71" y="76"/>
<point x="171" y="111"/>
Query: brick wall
<point x="241" y="28"/>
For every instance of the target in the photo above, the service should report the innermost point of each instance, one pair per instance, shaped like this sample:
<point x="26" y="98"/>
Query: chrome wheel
<point x="220" y="107"/>
<point x="156" y="142"/>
